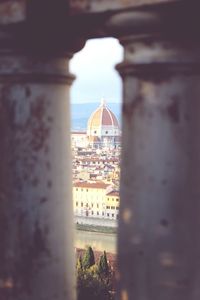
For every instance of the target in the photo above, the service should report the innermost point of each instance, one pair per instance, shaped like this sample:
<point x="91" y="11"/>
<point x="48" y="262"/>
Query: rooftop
<point x="93" y="185"/>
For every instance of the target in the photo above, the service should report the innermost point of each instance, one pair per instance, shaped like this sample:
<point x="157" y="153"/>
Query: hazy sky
<point x="96" y="76"/>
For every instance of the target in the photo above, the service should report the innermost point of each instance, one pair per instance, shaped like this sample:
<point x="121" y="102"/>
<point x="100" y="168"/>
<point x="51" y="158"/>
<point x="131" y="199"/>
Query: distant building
<point x="112" y="205"/>
<point x="103" y="128"/>
<point x="95" y="200"/>
<point x="79" y="139"/>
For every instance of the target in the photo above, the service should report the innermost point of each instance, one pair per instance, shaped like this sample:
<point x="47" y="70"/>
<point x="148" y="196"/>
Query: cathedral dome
<point x="102" y="116"/>
<point x="103" y="124"/>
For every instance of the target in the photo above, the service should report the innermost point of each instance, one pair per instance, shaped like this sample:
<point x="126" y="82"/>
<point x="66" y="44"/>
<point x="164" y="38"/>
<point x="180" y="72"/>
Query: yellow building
<point x="112" y="205"/>
<point x="96" y="200"/>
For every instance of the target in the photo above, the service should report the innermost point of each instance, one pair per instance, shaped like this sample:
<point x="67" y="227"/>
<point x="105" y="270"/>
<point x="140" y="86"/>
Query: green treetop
<point x="79" y="263"/>
<point x="88" y="258"/>
<point x="103" y="267"/>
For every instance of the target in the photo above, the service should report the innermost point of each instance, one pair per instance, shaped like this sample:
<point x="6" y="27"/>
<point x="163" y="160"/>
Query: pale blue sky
<point x="96" y="76"/>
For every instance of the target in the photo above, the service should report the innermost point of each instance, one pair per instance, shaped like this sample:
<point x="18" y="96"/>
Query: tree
<point x="88" y="258"/>
<point x="79" y="265"/>
<point x="94" y="281"/>
<point x="103" y="267"/>
<point x="91" y="286"/>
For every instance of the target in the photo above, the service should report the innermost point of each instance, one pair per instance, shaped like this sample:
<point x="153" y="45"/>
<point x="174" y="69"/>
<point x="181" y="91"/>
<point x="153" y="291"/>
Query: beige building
<point x="79" y="139"/>
<point x="95" y="200"/>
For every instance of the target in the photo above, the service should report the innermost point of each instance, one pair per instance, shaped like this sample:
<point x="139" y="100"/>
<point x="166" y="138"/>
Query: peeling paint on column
<point x="12" y="11"/>
<point x="159" y="211"/>
<point x="36" y="223"/>
<point x="173" y="111"/>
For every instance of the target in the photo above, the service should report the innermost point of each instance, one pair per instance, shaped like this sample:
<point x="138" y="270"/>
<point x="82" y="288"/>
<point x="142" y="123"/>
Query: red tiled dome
<point x="103" y="116"/>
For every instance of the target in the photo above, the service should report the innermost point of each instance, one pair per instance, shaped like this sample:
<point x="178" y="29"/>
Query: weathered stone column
<point x="36" y="220"/>
<point x="159" y="241"/>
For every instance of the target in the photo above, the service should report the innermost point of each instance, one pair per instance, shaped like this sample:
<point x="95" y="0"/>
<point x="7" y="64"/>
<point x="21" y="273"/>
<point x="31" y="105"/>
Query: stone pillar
<point x="159" y="241"/>
<point x="36" y="216"/>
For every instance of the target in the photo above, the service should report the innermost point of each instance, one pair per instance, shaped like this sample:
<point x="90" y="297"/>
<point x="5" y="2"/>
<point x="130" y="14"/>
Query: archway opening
<point x="96" y="149"/>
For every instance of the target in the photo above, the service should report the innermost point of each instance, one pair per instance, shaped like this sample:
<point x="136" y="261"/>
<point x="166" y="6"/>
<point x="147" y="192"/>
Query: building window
<point x="113" y="199"/>
<point x="92" y="212"/>
<point x="108" y="215"/>
<point x="86" y="204"/>
<point x="106" y="132"/>
<point x="117" y="208"/>
<point x="112" y="207"/>
<point x="107" y="207"/>
<point x="76" y="189"/>
<point x="86" y="190"/>
<point x="108" y="199"/>
<point x="81" y="204"/>
<point x="76" y="203"/>
<point x="97" y="205"/>
<point x="92" y="204"/>
<point x="113" y="215"/>
<point x="95" y="131"/>
<point x="102" y="213"/>
<point x="117" y="200"/>
<point x="97" y="213"/>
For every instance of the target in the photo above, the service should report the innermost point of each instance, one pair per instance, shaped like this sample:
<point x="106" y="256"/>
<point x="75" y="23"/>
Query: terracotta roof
<point x="94" y="185"/>
<point x="79" y="132"/>
<point x="113" y="193"/>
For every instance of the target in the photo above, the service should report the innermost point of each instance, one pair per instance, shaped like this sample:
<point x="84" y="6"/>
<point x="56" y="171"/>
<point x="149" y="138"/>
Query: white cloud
<point x="94" y="69"/>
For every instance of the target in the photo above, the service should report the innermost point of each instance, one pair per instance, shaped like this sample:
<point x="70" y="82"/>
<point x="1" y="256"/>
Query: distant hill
<point x="80" y="113"/>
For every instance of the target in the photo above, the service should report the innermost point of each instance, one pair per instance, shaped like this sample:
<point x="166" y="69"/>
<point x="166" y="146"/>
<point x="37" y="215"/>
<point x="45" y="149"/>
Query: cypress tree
<point x="103" y="264"/>
<point x="88" y="258"/>
<point x="79" y="263"/>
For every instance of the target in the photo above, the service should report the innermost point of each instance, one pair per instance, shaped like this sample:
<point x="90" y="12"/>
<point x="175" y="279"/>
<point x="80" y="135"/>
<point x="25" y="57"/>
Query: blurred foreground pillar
<point x="36" y="220"/>
<point x="159" y="241"/>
